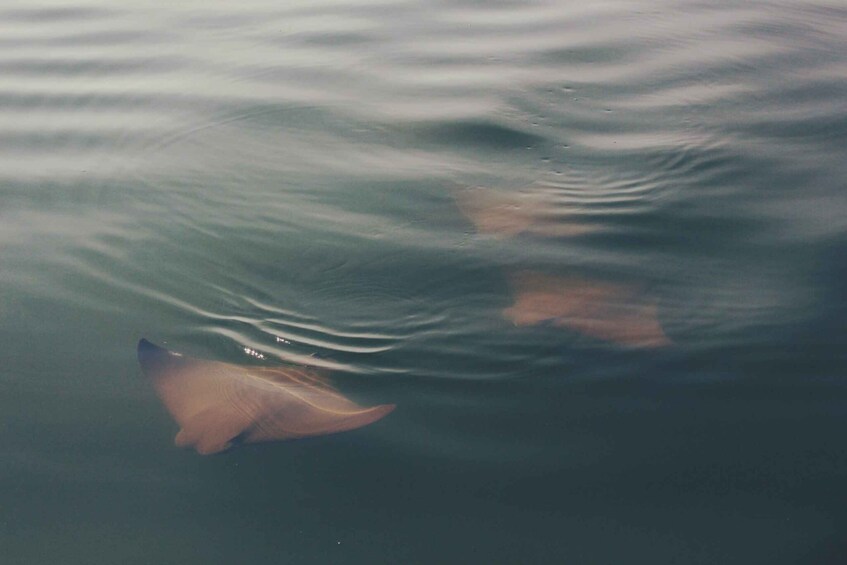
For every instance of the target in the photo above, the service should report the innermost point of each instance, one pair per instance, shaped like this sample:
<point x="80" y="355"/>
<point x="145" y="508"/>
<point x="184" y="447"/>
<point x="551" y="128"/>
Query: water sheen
<point x="259" y="182"/>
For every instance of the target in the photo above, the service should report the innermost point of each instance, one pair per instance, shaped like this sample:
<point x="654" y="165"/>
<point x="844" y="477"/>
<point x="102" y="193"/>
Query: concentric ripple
<point x="278" y="181"/>
<point x="594" y="252"/>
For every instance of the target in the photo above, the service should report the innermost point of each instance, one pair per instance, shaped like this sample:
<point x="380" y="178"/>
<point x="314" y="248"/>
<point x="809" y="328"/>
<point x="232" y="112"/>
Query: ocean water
<point x="595" y="252"/>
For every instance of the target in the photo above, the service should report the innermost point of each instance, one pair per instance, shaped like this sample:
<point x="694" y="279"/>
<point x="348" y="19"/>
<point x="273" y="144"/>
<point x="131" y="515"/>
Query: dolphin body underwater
<point x="218" y="405"/>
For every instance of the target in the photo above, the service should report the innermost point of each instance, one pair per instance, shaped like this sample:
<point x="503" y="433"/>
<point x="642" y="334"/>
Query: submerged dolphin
<point x="218" y="405"/>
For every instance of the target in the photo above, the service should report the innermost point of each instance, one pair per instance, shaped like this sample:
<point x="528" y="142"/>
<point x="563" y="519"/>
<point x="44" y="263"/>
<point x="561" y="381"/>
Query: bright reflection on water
<point x="594" y="253"/>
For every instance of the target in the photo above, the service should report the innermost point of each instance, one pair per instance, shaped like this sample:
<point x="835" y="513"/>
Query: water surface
<point x="277" y="182"/>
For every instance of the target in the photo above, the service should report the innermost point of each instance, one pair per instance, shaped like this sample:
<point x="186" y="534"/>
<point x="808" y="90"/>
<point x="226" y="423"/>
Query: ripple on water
<point x="241" y="141"/>
<point x="639" y="289"/>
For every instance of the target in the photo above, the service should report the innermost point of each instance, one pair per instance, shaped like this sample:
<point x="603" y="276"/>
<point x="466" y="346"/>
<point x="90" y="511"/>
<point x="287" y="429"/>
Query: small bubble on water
<point x="253" y="353"/>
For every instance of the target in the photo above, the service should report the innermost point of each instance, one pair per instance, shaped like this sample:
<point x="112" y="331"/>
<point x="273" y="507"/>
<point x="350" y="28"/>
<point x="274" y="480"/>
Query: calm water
<point x="259" y="182"/>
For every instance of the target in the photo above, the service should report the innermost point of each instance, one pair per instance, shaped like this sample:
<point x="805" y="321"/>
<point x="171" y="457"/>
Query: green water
<point x="279" y="182"/>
